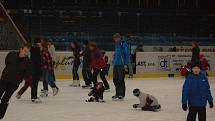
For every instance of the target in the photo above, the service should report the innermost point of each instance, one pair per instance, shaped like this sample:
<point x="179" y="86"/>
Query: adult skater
<point x="98" y="65"/>
<point x="147" y="101"/>
<point x="17" y="68"/>
<point x="119" y="61"/>
<point x="196" y="92"/>
<point x="52" y="52"/>
<point x="35" y="58"/>
<point x="195" y="53"/>
<point x="86" y="69"/>
<point x="47" y="66"/>
<point x="76" y="64"/>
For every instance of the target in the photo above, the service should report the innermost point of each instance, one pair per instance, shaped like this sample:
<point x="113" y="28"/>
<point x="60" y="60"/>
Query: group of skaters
<point x="195" y="94"/>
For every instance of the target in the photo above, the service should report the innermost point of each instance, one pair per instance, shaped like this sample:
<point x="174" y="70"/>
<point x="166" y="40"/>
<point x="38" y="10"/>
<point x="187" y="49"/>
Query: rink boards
<point x="148" y="64"/>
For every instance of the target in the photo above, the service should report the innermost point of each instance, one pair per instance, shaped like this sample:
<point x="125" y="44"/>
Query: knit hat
<point x="196" y="65"/>
<point x="136" y="92"/>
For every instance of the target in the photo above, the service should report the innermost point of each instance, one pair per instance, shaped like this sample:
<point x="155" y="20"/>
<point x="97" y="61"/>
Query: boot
<point x="55" y="91"/>
<point x="76" y="83"/>
<point x="18" y="96"/>
<point x="3" y="109"/>
<point x="44" y="93"/>
<point x="36" y="100"/>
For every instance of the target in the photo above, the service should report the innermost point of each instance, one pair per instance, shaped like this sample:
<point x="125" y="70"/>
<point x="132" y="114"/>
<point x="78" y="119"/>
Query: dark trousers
<point x="75" y="70"/>
<point x="193" y="111"/>
<point x="102" y="73"/>
<point x="34" y="86"/>
<point x="119" y="80"/>
<point x="28" y="83"/>
<point x="87" y="75"/>
<point x="47" y="79"/>
<point x="53" y="75"/>
<point x="6" y="91"/>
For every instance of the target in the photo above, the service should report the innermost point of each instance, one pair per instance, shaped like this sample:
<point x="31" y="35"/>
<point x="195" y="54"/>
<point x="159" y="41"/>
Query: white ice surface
<point x="69" y="105"/>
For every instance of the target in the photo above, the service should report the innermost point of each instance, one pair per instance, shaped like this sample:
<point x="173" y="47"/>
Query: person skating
<point x="195" y="94"/>
<point x="76" y="64"/>
<point x="119" y="61"/>
<point x="98" y="65"/>
<point x="87" y="69"/>
<point x="16" y="69"/>
<point x="96" y="94"/>
<point x="35" y="58"/>
<point x="195" y="53"/>
<point x="52" y="52"/>
<point x="47" y="66"/>
<point x="147" y="101"/>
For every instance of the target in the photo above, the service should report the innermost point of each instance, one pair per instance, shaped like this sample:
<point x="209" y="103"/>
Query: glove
<point x="211" y="104"/>
<point x="184" y="107"/>
<point x="135" y="105"/>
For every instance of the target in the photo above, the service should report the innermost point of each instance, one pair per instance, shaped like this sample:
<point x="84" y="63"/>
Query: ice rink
<point x="70" y="104"/>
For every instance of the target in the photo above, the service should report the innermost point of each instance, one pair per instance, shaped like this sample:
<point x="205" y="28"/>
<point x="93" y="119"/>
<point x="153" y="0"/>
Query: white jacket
<point x="52" y="52"/>
<point x="143" y="97"/>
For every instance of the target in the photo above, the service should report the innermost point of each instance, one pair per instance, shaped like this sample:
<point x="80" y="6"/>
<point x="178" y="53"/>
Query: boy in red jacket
<point x="98" y="64"/>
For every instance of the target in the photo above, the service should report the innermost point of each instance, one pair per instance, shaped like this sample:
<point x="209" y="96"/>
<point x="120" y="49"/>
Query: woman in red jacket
<point x="98" y="64"/>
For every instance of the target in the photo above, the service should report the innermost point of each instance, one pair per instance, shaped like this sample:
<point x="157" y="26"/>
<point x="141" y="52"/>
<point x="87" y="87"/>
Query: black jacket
<point x="36" y="61"/>
<point x="98" y="94"/>
<point x="86" y="58"/>
<point x="16" y="68"/>
<point x="195" y="55"/>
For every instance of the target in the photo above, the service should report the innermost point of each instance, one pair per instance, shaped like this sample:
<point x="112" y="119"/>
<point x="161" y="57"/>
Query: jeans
<point x="119" y="80"/>
<point x="47" y="79"/>
<point x="102" y="76"/>
<point x="193" y="111"/>
<point x="130" y="69"/>
<point x="75" y="70"/>
<point x="87" y="75"/>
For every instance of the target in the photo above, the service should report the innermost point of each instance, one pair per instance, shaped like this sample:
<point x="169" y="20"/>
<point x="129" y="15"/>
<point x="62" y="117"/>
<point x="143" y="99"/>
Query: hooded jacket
<point x="122" y="53"/>
<point x="196" y="91"/>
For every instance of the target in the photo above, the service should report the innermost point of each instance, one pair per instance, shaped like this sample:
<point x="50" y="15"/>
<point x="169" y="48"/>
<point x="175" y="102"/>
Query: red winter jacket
<point x="97" y="59"/>
<point x="204" y="63"/>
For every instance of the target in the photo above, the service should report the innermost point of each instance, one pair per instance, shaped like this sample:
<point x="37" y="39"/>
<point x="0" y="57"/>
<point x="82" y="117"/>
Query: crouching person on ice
<point x="147" y="102"/>
<point x="96" y="94"/>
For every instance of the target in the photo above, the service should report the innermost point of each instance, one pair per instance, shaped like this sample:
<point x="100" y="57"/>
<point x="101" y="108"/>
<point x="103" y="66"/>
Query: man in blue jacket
<point x="121" y="57"/>
<point x="196" y="92"/>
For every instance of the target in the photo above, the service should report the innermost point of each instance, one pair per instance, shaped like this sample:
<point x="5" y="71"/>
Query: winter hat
<point x="136" y="92"/>
<point x="196" y="65"/>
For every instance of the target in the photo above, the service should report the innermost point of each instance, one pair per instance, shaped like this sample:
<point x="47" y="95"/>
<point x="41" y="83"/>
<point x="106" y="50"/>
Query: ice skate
<point x="36" y="100"/>
<point x="86" y="86"/>
<point x="18" y="96"/>
<point x="76" y="83"/>
<point x="55" y="91"/>
<point x="44" y="93"/>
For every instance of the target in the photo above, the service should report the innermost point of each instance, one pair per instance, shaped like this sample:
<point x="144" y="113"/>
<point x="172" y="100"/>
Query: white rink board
<point x="159" y="62"/>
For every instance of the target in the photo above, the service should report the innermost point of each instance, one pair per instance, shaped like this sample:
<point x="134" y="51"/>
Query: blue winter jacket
<point x="196" y="91"/>
<point x="122" y="53"/>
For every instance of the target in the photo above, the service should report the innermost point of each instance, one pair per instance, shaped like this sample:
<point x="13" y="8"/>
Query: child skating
<point x="96" y="94"/>
<point x="195" y="94"/>
<point x="147" y="101"/>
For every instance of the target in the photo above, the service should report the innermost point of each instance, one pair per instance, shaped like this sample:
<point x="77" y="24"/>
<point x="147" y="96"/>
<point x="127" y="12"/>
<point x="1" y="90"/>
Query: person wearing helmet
<point x="147" y="101"/>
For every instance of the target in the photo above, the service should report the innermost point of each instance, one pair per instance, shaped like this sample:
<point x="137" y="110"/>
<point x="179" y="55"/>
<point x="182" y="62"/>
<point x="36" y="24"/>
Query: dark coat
<point x="36" y="61"/>
<point x="195" y="55"/>
<point x="86" y="57"/>
<point x="16" y="68"/>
